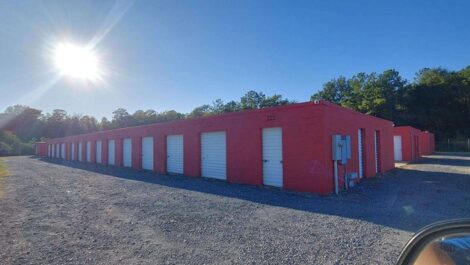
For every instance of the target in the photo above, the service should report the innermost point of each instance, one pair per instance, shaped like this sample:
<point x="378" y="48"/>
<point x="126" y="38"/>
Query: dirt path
<point x="66" y="213"/>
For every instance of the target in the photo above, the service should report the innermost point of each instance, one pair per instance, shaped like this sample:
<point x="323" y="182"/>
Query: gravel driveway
<point x="54" y="212"/>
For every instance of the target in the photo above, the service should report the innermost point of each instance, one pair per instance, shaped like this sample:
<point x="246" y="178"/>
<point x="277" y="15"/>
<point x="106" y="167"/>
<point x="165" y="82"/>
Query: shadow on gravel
<point x="402" y="198"/>
<point x="444" y="160"/>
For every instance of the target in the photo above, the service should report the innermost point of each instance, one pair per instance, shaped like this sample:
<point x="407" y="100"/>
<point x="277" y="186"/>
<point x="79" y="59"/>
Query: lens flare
<point x="76" y="61"/>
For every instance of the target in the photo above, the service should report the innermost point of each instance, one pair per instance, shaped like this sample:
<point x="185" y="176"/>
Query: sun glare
<point x="76" y="61"/>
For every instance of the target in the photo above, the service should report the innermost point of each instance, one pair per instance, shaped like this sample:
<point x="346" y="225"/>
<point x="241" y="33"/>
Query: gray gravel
<point x="54" y="212"/>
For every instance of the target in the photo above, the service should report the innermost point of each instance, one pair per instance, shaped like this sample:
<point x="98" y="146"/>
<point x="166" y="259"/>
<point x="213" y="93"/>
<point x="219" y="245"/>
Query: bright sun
<point x="76" y="61"/>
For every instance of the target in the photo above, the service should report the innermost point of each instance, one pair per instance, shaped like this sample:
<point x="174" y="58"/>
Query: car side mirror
<point x="446" y="242"/>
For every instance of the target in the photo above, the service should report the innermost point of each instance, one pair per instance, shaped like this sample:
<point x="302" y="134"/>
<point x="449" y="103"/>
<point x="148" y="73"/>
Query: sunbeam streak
<point x="119" y="9"/>
<point x="37" y="93"/>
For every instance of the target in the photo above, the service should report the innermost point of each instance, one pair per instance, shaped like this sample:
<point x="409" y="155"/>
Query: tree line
<point x="21" y="126"/>
<point x="437" y="100"/>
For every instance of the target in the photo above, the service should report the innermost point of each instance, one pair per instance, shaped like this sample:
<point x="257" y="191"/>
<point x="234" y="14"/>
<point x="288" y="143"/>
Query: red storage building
<point x="41" y="149"/>
<point x="288" y="146"/>
<point x="427" y="143"/>
<point x="406" y="143"/>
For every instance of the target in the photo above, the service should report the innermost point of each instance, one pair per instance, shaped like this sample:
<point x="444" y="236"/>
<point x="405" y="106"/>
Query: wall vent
<point x="271" y="117"/>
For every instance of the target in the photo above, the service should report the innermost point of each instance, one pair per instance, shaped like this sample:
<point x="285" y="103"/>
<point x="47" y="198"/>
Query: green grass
<point x="3" y="169"/>
<point x="3" y="174"/>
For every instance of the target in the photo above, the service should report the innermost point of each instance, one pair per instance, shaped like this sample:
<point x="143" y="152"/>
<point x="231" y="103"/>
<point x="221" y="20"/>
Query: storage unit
<point x="72" y="151"/>
<point x="272" y="156"/>
<point x="127" y="152"/>
<point x="62" y="151"/>
<point x="88" y="151"/>
<point x="98" y="152"/>
<point x="406" y="139"/>
<point x="57" y="151"/>
<point x="80" y="151"/>
<point x="360" y="151"/>
<point x="111" y="153"/>
<point x="377" y="152"/>
<point x="213" y="155"/>
<point x="287" y="146"/>
<point x="42" y="149"/>
<point x="175" y="154"/>
<point x="426" y="142"/>
<point x="147" y="153"/>
<point x="397" y="148"/>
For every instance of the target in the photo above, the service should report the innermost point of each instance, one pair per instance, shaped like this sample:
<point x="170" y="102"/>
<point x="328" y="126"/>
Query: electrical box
<point x="341" y="148"/>
<point x="348" y="146"/>
<point x="346" y="149"/>
<point x="337" y="144"/>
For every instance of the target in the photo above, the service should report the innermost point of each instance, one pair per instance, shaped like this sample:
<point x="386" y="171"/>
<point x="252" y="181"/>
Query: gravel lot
<point x="54" y="212"/>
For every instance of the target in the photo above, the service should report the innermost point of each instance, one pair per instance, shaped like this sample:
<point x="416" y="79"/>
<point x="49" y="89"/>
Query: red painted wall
<point x="41" y="149"/>
<point x="306" y="133"/>
<point x="411" y="148"/>
<point x="346" y="122"/>
<point x="426" y="141"/>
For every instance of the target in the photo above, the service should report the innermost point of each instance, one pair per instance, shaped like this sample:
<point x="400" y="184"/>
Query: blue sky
<point x="181" y="54"/>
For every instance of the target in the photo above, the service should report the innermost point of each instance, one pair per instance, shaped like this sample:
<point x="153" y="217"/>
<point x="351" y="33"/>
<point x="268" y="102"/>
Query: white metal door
<point x="111" y="153"/>
<point x="397" y="149"/>
<point x="213" y="155"/>
<point x="80" y="151"/>
<point x="272" y="157"/>
<point x="88" y="151"/>
<point x="147" y="153"/>
<point x="127" y="152"/>
<point x="62" y="150"/>
<point x="174" y="154"/>
<point x="360" y="152"/>
<point x="57" y="150"/>
<point x="98" y="152"/>
<point x="72" y="151"/>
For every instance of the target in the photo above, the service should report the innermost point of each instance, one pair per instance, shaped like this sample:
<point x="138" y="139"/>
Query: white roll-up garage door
<point x="360" y="151"/>
<point x="397" y="149"/>
<point x="62" y="150"/>
<point x="272" y="157"/>
<point x="98" y="152"/>
<point x="57" y="150"/>
<point x="88" y="151"/>
<point x="213" y="155"/>
<point x="111" y="153"/>
<point x="127" y="152"/>
<point x="174" y="154"/>
<point x="147" y="153"/>
<point x="72" y="151"/>
<point x="80" y="151"/>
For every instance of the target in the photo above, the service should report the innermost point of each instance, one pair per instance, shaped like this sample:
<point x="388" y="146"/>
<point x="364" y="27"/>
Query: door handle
<point x="280" y="161"/>
<point x="265" y="160"/>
